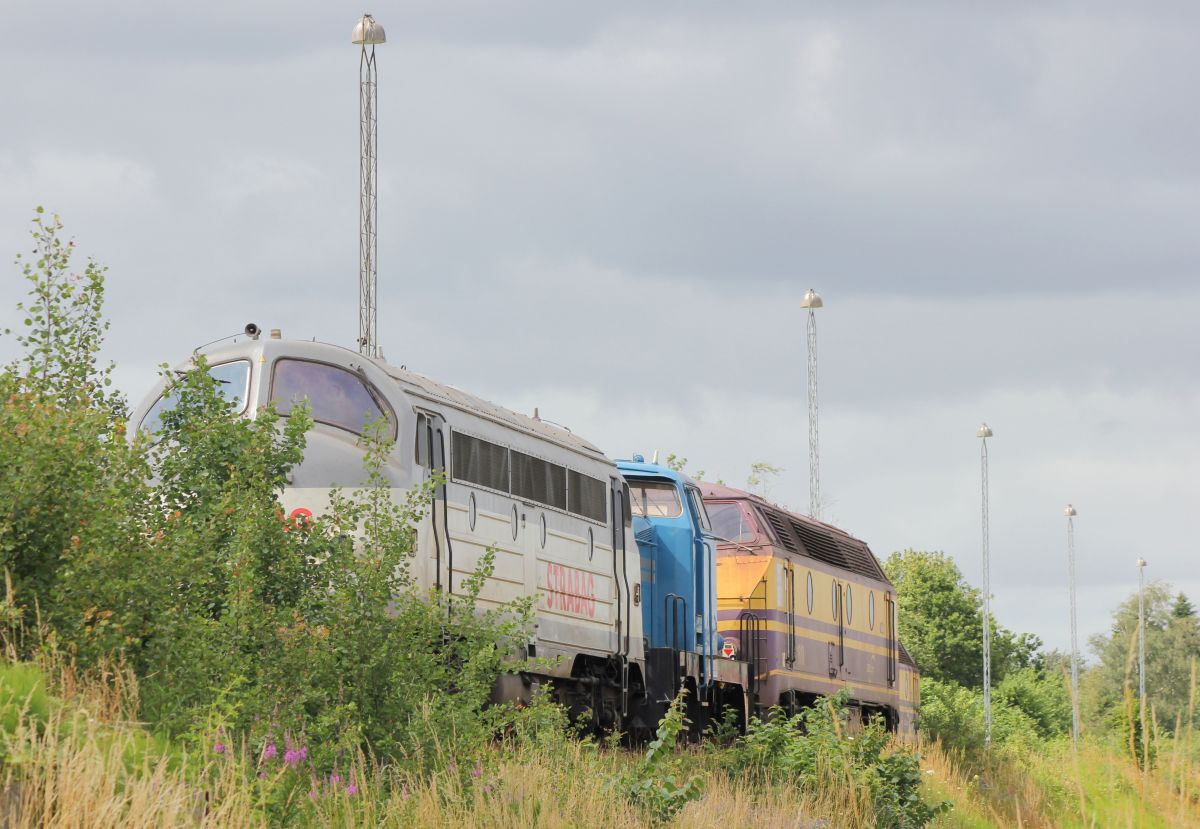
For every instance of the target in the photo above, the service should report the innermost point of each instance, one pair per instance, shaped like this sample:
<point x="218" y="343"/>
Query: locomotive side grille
<point x="860" y="559"/>
<point x="781" y="531"/>
<point x="820" y="545"/>
<point x="479" y="462"/>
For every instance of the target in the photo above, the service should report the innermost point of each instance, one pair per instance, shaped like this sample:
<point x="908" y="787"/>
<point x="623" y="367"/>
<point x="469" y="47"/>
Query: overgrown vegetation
<point x="176" y="653"/>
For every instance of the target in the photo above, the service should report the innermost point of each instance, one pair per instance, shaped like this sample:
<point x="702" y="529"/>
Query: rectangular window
<point x="542" y="482"/>
<point x="422" y="442"/>
<point x="479" y="462"/>
<point x="588" y="496"/>
<point x="655" y="500"/>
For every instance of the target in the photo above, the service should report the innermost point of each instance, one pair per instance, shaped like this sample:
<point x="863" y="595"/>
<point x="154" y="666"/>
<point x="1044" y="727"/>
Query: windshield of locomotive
<point x="731" y="523"/>
<point x="233" y="383"/>
<point x="654" y="499"/>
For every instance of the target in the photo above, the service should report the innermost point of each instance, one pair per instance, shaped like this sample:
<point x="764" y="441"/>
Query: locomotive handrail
<point x="750" y="632"/>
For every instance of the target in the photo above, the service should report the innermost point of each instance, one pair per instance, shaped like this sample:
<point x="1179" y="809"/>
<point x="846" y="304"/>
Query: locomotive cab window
<point x="336" y="396"/>
<point x="655" y="499"/>
<point x="421" y="444"/>
<point x="233" y="384"/>
<point x="731" y="523"/>
<point x="697" y="504"/>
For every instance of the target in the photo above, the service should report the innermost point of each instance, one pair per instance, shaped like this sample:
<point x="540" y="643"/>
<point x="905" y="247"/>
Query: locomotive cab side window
<point x="697" y="504"/>
<point x="731" y="523"/>
<point x="337" y="396"/>
<point x="233" y="384"/>
<point x="421" y="444"/>
<point x="655" y="499"/>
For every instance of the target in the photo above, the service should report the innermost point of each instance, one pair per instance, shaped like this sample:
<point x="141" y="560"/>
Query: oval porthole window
<point x="471" y="511"/>
<point x="834" y="594"/>
<point x="871" y="609"/>
<point x="849" y="604"/>
<point x="514" y="522"/>
<point x="591" y="543"/>
<point x="810" y="593"/>
<point x="543" y="530"/>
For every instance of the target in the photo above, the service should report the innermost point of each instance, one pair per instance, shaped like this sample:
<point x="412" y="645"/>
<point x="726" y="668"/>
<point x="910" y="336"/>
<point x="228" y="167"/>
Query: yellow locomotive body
<point x="810" y="608"/>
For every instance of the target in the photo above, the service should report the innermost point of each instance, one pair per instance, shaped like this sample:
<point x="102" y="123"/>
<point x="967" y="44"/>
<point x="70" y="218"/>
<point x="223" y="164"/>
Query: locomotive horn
<point x="252" y="330"/>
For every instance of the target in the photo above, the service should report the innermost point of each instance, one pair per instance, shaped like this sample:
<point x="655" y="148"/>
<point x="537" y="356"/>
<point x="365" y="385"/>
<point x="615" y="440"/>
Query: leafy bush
<point x="953" y="715"/>
<point x="312" y="633"/>
<point x="657" y="784"/>
<point x="174" y="559"/>
<point x="1045" y="699"/>
<point x="813" y="749"/>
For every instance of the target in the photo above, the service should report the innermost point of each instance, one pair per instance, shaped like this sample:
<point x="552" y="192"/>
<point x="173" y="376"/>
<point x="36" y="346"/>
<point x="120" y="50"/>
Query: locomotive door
<point x="431" y="456"/>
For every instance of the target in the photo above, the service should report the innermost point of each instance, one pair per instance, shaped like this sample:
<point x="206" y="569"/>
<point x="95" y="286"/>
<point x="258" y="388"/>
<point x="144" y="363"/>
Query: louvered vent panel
<point x="860" y="559"/>
<point x="781" y="531"/>
<point x="820" y="544"/>
<point x="905" y="657"/>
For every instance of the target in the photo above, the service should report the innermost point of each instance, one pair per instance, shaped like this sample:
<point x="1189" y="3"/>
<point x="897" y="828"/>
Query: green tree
<point x="1172" y="641"/>
<point x="1183" y="608"/>
<point x="66" y="466"/>
<point x="941" y="622"/>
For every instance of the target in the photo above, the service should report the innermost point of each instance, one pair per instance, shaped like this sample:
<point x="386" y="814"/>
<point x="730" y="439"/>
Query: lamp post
<point x="812" y="301"/>
<point x="1070" y="513"/>
<point x="983" y="434"/>
<point x="1141" y="565"/>
<point x="368" y="34"/>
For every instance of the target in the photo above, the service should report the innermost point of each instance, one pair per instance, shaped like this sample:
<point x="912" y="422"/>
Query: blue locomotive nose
<point x="678" y="564"/>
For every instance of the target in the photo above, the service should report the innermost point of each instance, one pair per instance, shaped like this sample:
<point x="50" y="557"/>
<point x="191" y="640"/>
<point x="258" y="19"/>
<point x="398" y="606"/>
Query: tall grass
<point x="71" y="756"/>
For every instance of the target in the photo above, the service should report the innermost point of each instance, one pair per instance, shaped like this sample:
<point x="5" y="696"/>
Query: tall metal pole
<point x="1141" y="565"/>
<point x="368" y="34"/>
<point x="812" y="301"/>
<point x="1070" y="513"/>
<point x="984" y="433"/>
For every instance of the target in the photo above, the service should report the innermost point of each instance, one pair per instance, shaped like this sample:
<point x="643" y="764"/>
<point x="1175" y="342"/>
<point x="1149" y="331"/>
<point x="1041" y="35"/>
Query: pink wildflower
<point x="269" y="751"/>
<point x="219" y="748"/>
<point x="352" y="790"/>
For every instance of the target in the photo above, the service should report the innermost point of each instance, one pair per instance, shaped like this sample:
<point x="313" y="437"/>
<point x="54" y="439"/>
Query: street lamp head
<point x="1141" y="562"/>
<point x="985" y="431"/>
<point x="811" y="300"/>
<point x="368" y="32"/>
<point x="1070" y="511"/>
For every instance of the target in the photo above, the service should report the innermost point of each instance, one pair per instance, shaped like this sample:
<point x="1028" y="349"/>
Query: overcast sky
<point x="610" y="211"/>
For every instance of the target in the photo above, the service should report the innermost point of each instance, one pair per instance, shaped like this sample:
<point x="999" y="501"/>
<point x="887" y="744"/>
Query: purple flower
<point x="335" y="778"/>
<point x="312" y="794"/>
<point x="477" y="772"/>
<point x="219" y="748"/>
<point x="352" y="790"/>
<point x="269" y="751"/>
<point x="304" y="752"/>
<point x="292" y="757"/>
<point x="487" y="788"/>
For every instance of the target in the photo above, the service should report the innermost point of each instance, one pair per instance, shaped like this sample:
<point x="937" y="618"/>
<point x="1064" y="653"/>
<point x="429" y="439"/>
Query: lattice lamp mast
<point x="983" y="434"/>
<point x="812" y="301"/>
<point x="368" y="34"/>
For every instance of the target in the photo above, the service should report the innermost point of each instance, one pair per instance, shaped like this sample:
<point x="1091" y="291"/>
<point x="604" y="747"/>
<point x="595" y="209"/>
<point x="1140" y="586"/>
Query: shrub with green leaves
<point x="815" y="748"/>
<point x="173" y="558"/>
<point x="658" y="784"/>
